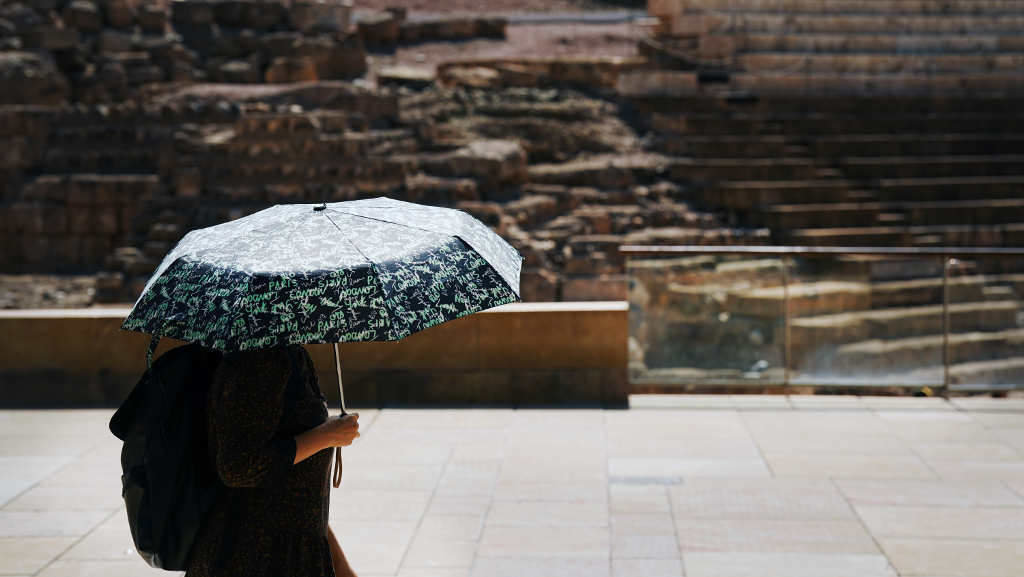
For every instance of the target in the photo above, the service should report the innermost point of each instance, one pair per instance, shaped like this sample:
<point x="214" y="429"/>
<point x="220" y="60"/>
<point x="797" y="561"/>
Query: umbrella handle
<point x="337" y="467"/>
<point x="341" y="395"/>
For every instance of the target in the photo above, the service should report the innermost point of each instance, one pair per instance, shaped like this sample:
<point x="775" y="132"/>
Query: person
<point x="270" y="441"/>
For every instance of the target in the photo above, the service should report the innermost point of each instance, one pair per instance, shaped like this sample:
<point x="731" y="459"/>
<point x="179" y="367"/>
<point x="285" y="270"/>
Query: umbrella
<point x="376" y="269"/>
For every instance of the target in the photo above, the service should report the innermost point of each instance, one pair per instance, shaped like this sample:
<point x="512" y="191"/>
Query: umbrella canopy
<point x="376" y="269"/>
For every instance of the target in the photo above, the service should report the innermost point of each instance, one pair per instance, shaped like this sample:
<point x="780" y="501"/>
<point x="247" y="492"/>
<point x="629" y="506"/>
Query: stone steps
<point x="956" y="235"/>
<point x="862" y="23"/>
<point x="878" y="356"/>
<point x="1008" y="371"/>
<point x="716" y="169"/>
<point x="92" y="189"/>
<point x="948" y="84"/>
<point x="933" y="166"/>
<point x="875" y="63"/>
<point x="816" y="297"/>
<point x="928" y="291"/>
<point x="748" y="195"/>
<point x="805" y="299"/>
<point x="910" y="145"/>
<point x="138" y="160"/>
<point x="383" y="174"/>
<point x="923" y="213"/>
<point x="603" y="171"/>
<point x="725" y="146"/>
<point x="882" y="44"/>
<point x="812" y="124"/>
<point x="949" y="188"/>
<point x="843" y="7"/>
<point x="813" y="332"/>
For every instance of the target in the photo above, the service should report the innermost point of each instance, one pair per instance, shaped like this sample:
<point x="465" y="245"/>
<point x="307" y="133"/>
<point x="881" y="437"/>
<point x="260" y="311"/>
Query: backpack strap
<point x="153" y="342"/>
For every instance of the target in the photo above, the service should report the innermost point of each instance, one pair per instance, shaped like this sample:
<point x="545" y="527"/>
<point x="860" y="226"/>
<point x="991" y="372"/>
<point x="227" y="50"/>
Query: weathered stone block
<point x="51" y="38"/>
<point x="187" y="182"/>
<point x="715" y="47"/>
<point x="335" y="59"/>
<point x="127" y="215"/>
<point x="686" y="25"/>
<point x="31" y="78"/>
<point x="192" y="12"/>
<point x="285" y="70"/>
<point x="255" y="14"/>
<point x="107" y="221"/>
<point x="81" y="220"/>
<point x="153" y="18"/>
<point x="94" y="250"/>
<point x="490" y="161"/>
<point x="665" y="7"/>
<point x="440" y="191"/>
<point x="409" y="76"/>
<point x="84" y="16"/>
<point x="112" y="42"/>
<point x="320" y="16"/>
<point x="379" y="31"/>
<point x="120" y="13"/>
<point x="239" y="72"/>
<point x="657" y="83"/>
<point x="601" y="288"/>
<point x="54" y="219"/>
<point x="539" y="285"/>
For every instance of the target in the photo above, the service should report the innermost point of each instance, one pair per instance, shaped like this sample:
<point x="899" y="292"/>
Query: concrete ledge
<point x="528" y="353"/>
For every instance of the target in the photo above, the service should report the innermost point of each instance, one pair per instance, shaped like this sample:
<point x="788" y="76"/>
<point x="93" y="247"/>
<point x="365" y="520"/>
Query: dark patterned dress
<point x="272" y="519"/>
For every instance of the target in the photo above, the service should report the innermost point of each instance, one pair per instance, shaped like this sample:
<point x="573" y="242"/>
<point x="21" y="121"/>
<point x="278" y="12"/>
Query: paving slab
<point x="989" y="404"/>
<point x="547" y="514"/>
<point x="943" y="522"/>
<point x="941" y="493"/>
<point x="773" y="536"/>
<point x="638" y="498"/>
<point x="647" y="567"/>
<point x="770" y="498"/>
<point x="27" y="555"/>
<point x="582" y="542"/>
<point x="955" y="558"/>
<point x="849" y="466"/>
<point x="643" y="524"/>
<point x="540" y="566"/>
<point x="786" y="565"/>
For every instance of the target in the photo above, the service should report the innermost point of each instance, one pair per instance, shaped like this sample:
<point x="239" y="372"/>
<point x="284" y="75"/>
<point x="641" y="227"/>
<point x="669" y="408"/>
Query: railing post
<point x="946" y="357"/>
<point x="786" y="349"/>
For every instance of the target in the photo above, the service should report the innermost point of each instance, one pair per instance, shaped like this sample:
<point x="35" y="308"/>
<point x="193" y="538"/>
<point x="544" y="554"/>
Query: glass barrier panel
<point x="705" y="320"/>
<point x="866" y="321"/>
<point x="986" y="318"/>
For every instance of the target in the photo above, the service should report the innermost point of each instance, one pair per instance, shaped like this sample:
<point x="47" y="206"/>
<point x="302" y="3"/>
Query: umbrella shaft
<point x="337" y="367"/>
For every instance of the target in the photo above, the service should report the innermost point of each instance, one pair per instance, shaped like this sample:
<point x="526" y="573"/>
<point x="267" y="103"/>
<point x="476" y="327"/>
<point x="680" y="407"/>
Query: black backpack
<point x="168" y="483"/>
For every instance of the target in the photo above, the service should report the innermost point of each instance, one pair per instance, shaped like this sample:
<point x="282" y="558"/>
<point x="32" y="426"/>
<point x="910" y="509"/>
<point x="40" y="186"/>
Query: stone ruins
<point x="126" y="123"/>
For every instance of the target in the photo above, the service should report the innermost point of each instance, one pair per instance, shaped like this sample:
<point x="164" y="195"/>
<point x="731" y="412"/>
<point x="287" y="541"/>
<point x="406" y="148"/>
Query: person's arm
<point x="341" y="566"/>
<point x="247" y="413"/>
<point x="334" y="432"/>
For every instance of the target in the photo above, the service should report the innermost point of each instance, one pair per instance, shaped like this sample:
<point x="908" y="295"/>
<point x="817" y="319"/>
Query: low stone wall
<point x="557" y="353"/>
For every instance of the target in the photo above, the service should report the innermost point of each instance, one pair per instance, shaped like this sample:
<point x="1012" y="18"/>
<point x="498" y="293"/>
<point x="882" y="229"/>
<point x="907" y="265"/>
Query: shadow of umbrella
<point x="375" y="269"/>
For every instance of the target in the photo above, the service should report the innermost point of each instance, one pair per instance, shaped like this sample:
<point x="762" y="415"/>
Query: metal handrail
<point x="947" y="254"/>
<point x="651" y="250"/>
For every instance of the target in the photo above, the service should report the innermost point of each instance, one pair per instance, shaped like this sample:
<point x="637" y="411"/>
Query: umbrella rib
<point x="390" y="222"/>
<point x="373" y="266"/>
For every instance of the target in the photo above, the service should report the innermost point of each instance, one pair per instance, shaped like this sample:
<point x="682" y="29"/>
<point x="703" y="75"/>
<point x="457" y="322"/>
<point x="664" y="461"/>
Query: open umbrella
<point x="376" y="269"/>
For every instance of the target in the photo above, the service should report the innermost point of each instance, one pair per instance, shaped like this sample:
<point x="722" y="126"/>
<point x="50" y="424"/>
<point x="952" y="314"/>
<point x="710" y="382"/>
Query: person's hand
<point x="341" y="431"/>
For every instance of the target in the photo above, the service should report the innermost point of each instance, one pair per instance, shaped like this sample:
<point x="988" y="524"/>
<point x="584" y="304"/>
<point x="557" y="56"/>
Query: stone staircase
<point x="844" y="47"/>
<point x="903" y="171"/>
<point x="854" y="321"/>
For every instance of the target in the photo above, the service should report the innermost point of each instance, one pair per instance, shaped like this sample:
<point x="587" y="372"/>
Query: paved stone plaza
<point x="702" y="486"/>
